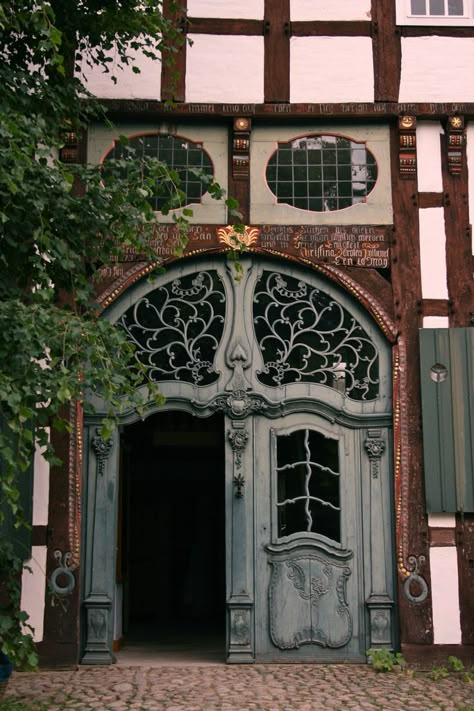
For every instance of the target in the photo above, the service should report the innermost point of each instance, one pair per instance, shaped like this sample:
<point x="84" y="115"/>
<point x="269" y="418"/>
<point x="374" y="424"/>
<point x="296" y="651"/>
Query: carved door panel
<point x="308" y="536"/>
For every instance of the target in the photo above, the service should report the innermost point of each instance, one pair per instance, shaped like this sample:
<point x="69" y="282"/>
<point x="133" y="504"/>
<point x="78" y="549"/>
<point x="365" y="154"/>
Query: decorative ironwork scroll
<point x="305" y="335"/>
<point x="178" y="327"/>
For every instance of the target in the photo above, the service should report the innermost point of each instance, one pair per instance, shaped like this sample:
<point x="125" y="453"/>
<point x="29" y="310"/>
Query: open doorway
<point x="171" y="562"/>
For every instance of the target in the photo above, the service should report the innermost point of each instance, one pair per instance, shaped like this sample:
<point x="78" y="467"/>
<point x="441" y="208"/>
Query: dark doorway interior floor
<point x="172" y="561"/>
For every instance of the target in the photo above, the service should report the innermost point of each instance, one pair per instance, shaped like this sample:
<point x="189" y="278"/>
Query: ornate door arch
<point x="303" y="378"/>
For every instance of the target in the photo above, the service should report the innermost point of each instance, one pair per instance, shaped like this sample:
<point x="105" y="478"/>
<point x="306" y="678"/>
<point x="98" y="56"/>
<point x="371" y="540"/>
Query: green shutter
<point x="447" y="370"/>
<point x="19" y="537"/>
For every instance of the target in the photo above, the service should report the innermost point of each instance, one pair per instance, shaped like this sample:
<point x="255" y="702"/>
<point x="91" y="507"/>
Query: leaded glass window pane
<point x="304" y="335"/>
<point x="180" y="155"/>
<point x="308" y="484"/>
<point x="321" y="173"/>
<point x="177" y="329"/>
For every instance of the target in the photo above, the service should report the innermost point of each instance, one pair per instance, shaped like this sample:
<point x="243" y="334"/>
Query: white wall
<point x="331" y="69"/>
<point x="40" y="489"/>
<point x="437" y="69"/>
<point x="224" y="69"/>
<point x="435" y="322"/>
<point x="33" y="589"/>
<point x="445" y="595"/>
<point x="428" y="152"/>
<point x="146" y="85"/>
<point x="242" y="9"/>
<point x="433" y="254"/>
<point x="330" y="10"/>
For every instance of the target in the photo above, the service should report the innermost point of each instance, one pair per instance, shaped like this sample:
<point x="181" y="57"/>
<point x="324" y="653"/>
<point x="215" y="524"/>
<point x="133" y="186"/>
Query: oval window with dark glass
<point x="187" y="159"/>
<point x="321" y="173"/>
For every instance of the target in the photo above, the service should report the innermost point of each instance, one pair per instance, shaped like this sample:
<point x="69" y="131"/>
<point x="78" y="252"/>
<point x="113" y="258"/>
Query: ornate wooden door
<point x="303" y="378"/>
<point x="309" y="540"/>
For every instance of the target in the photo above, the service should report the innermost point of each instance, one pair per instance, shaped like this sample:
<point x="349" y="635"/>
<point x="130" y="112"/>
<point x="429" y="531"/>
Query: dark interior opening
<point x="171" y="562"/>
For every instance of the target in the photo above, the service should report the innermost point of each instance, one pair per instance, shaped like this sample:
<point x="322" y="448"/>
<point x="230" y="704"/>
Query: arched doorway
<point x="171" y="562"/>
<point x="301" y="378"/>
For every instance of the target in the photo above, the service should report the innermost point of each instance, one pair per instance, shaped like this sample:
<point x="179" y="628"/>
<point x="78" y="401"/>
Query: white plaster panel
<point x="445" y="595"/>
<point x="263" y="204"/>
<point x="331" y="69"/>
<point x="435" y="322"/>
<point x="40" y="489"/>
<point x="330" y="9"/>
<point x="470" y="166"/>
<point x="433" y="254"/>
<point x="146" y="85"/>
<point x="428" y="153"/>
<point x="100" y="140"/>
<point x="33" y="588"/>
<point x="442" y="520"/>
<point x="241" y="9"/>
<point x="224" y="69"/>
<point x="437" y="69"/>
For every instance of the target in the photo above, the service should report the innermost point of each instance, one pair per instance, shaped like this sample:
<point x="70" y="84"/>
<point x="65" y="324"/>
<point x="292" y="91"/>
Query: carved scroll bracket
<point x="238" y="438"/>
<point x="102" y="448"/>
<point x="375" y="447"/>
<point x="239" y="403"/>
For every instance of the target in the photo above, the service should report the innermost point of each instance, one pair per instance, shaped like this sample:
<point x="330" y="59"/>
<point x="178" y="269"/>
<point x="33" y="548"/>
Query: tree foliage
<point x="60" y="223"/>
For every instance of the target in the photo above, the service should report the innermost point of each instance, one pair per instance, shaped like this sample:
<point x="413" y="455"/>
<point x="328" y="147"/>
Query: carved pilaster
<point x="98" y="609"/>
<point x="102" y="448"/>
<point x="238" y="440"/>
<point x="380" y="621"/>
<point x="455" y="144"/>
<point x="240" y="633"/>
<point x="407" y="147"/>
<point x="375" y="447"/>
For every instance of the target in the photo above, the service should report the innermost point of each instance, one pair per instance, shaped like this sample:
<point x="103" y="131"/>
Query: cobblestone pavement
<point x="238" y="688"/>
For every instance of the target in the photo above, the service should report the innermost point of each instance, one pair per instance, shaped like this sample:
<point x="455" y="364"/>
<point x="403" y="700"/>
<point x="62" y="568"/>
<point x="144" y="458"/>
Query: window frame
<point x="405" y="17"/>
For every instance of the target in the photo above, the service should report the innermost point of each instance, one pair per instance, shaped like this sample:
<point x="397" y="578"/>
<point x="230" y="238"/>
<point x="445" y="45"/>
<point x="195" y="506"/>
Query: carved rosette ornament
<point x="102" y="448"/>
<point x="375" y="447"/>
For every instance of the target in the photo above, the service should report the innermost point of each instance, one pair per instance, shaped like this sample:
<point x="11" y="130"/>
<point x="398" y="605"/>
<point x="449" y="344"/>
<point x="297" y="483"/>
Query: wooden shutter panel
<point x="447" y="370"/>
<point x="19" y="537"/>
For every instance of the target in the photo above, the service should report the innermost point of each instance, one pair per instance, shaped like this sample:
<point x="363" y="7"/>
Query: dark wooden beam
<point x="458" y="241"/>
<point x="430" y="200"/>
<point x="133" y="108"/>
<point x="222" y="26"/>
<point x="173" y="62"/>
<point x="435" y="307"/>
<point x="415" y="31"/>
<point x="386" y="50"/>
<point x="277" y="51"/>
<point x="338" y="28"/>
<point x="415" y="620"/>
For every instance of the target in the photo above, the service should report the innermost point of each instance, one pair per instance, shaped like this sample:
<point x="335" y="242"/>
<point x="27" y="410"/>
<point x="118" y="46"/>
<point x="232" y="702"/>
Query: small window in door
<point x="308" y="496"/>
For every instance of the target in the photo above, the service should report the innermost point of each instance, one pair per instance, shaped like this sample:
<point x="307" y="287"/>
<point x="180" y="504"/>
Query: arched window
<point x="321" y="173"/>
<point x="181" y="155"/>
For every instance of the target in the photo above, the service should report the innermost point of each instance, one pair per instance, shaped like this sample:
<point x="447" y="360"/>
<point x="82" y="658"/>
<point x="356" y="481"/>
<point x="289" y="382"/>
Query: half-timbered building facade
<point x="307" y="490"/>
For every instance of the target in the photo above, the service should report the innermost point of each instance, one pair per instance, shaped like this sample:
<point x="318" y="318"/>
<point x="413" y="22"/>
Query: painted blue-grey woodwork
<point x="447" y="376"/>
<point x="303" y="378"/>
